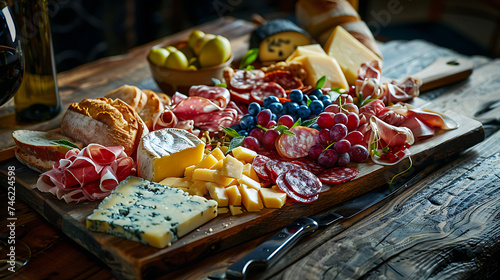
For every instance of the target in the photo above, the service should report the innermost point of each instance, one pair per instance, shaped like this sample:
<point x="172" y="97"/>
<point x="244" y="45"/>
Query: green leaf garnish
<point x="320" y="82"/>
<point x="218" y="83"/>
<point x="402" y="172"/>
<point x="297" y="123"/>
<point x="281" y="128"/>
<point x="263" y="128"/>
<point x="249" y="67"/>
<point x="366" y="101"/>
<point x="338" y="90"/>
<point x="249" y="57"/>
<point x="235" y="143"/>
<point x="385" y="150"/>
<point x="65" y="143"/>
<point x="310" y="122"/>
<point x="230" y="132"/>
<point x="288" y="132"/>
<point x="308" y="102"/>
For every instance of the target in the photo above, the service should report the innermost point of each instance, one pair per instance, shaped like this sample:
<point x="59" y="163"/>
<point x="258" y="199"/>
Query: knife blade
<point x="269" y="252"/>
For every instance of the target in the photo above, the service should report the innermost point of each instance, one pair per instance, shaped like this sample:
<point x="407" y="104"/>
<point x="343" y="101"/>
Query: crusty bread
<point x="104" y="121"/>
<point x="41" y="144"/>
<point x="33" y="162"/>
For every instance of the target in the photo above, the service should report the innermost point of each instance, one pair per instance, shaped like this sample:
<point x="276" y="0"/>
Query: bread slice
<point x="39" y="149"/>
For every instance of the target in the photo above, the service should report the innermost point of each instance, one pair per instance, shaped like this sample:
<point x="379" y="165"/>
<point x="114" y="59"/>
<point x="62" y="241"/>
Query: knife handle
<point x="271" y="250"/>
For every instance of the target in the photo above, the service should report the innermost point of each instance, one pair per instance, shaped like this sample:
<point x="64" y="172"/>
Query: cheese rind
<point x="349" y="53"/>
<point x="167" y="152"/>
<point x="150" y="213"/>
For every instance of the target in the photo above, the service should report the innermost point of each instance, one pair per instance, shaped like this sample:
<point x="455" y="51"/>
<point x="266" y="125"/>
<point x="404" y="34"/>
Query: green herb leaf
<point x="297" y="123"/>
<point x="320" y="82"/>
<point x="249" y="67"/>
<point x="281" y="128"/>
<point x="308" y="102"/>
<point x="65" y="143"/>
<point x="235" y="143"/>
<point x="230" y="132"/>
<point x="263" y="128"/>
<point x="310" y="122"/>
<point x="339" y="90"/>
<point x="385" y="150"/>
<point x="249" y="57"/>
<point x="288" y="132"/>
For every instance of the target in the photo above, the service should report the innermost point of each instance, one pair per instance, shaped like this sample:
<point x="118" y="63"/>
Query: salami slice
<point x="277" y="167"/>
<point x="244" y="81"/>
<point x="303" y="183"/>
<point x="286" y="79"/>
<point x="261" y="91"/>
<point x="259" y="165"/>
<point x="284" y="187"/>
<point x="297" y="145"/>
<point x="310" y="165"/>
<point x="337" y="175"/>
<point x="240" y="97"/>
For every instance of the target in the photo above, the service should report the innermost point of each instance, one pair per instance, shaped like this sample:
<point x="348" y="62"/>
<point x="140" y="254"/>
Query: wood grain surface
<point x="56" y="256"/>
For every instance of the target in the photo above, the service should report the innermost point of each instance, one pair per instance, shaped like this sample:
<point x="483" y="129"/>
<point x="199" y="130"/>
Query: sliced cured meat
<point x="284" y="187"/>
<point x="277" y="167"/>
<point x="303" y="183"/>
<point x="259" y="165"/>
<point x="286" y="79"/>
<point x="337" y="175"/>
<point x="244" y="81"/>
<point x="374" y="108"/>
<point x="240" y="97"/>
<point x="218" y="95"/>
<point x="297" y="145"/>
<point x="310" y="165"/>
<point x="261" y="91"/>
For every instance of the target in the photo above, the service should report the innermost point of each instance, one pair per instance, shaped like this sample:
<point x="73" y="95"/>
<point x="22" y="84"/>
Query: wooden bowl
<point x="171" y="80"/>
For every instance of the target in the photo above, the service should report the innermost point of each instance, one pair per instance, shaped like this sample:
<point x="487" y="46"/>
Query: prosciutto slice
<point x="88" y="174"/>
<point x="384" y="135"/>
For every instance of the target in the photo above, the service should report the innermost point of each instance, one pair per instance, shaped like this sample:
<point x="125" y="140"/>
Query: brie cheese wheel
<point x="167" y="152"/>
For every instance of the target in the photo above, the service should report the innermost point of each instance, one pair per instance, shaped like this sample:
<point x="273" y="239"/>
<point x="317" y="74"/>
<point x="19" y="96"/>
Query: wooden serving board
<point x="134" y="260"/>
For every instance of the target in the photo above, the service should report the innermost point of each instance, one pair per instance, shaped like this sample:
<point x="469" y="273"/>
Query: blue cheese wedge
<point x="150" y="213"/>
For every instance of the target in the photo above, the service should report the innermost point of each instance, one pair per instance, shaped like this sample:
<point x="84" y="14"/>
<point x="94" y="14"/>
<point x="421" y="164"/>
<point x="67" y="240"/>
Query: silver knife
<point x="269" y="252"/>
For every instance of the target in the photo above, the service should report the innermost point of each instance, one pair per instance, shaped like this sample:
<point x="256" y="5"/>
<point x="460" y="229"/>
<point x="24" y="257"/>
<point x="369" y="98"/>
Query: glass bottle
<point x="38" y="97"/>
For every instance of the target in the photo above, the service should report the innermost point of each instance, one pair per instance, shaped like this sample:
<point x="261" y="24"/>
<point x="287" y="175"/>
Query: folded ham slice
<point x="88" y="174"/>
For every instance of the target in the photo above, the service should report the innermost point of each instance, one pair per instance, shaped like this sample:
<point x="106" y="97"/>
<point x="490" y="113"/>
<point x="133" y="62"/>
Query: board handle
<point x="272" y="249"/>
<point x="443" y="71"/>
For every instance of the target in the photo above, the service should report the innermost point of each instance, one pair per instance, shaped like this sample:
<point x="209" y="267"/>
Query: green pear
<point x="158" y="56"/>
<point x="187" y="52"/>
<point x="194" y="36"/>
<point x="171" y="48"/>
<point x="176" y="60"/>
<point x="215" y="52"/>
<point x="198" y="45"/>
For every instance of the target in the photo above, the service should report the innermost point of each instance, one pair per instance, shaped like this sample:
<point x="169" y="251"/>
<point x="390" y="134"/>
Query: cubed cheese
<point x="244" y="154"/>
<point x="272" y="198"/>
<point x="176" y="182"/>
<point x="349" y="53"/>
<point x="217" y="193"/>
<point x="188" y="172"/>
<point x="221" y="180"/>
<point x="250" y="198"/>
<point x="167" y="152"/>
<point x="232" y="167"/>
<point x="250" y="172"/>
<point x="222" y="210"/>
<point x="150" y="213"/>
<point x="318" y="66"/>
<point x="235" y="210"/>
<point x="198" y="188"/>
<point x="203" y="174"/>
<point x="207" y="162"/>
<point x="233" y="195"/>
<point x="217" y="153"/>
<point x="218" y="165"/>
<point x="249" y="182"/>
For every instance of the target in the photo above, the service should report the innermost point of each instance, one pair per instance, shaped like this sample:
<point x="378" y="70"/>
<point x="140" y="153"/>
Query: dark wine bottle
<point x="38" y="97"/>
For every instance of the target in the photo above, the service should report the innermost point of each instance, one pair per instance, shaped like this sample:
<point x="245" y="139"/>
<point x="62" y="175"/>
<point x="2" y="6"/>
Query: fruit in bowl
<point x="197" y="61"/>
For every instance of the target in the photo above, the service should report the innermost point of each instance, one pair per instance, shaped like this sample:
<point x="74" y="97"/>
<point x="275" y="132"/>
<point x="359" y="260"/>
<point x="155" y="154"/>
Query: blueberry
<point x="286" y="105"/>
<point x="326" y="102"/>
<point x="254" y="108"/>
<point x="247" y="121"/>
<point x="305" y="97"/>
<point x="316" y="92"/>
<point x="243" y="133"/>
<point x="292" y="108"/>
<point x="274" y="117"/>
<point x="324" y="97"/>
<point x="303" y="112"/>
<point x="276" y="108"/>
<point x="316" y="107"/>
<point x="315" y="126"/>
<point x="269" y="100"/>
<point x="313" y="97"/>
<point x="236" y="127"/>
<point x="296" y="95"/>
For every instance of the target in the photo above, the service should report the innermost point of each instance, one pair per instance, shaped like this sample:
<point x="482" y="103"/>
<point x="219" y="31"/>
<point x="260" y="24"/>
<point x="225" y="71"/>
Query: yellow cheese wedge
<point x="318" y="66"/>
<point x="244" y="154"/>
<point x="235" y="210"/>
<point x="349" y="53"/>
<point x="250" y="198"/>
<point x="222" y="210"/>
<point x="249" y="182"/>
<point x="272" y="198"/>
<point x="176" y="182"/>
<point x="222" y="180"/>
<point x="203" y="174"/>
<point x="217" y="193"/>
<point x="232" y="167"/>
<point x="218" y="165"/>
<point x="188" y="172"/>
<point x="308" y="50"/>
<point x="250" y="172"/>
<point x="233" y="195"/>
<point x="217" y="153"/>
<point x="167" y="152"/>
<point x="207" y="162"/>
<point x="198" y="188"/>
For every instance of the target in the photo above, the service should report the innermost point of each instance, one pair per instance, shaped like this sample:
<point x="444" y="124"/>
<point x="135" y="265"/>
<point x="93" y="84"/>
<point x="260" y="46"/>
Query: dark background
<point x="85" y="30"/>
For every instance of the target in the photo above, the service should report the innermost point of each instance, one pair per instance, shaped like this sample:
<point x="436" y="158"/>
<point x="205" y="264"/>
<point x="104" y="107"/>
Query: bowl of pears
<point x="197" y="61"/>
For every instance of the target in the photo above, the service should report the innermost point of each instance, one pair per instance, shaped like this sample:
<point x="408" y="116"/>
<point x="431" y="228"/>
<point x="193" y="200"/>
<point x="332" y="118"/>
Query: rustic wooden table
<point x="444" y="224"/>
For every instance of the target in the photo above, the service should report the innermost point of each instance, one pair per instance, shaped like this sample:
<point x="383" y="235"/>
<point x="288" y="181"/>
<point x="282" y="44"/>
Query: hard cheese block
<point x="307" y="50"/>
<point x="150" y="213"/>
<point x="167" y="152"/>
<point x="318" y="66"/>
<point x="277" y="39"/>
<point x="348" y="52"/>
